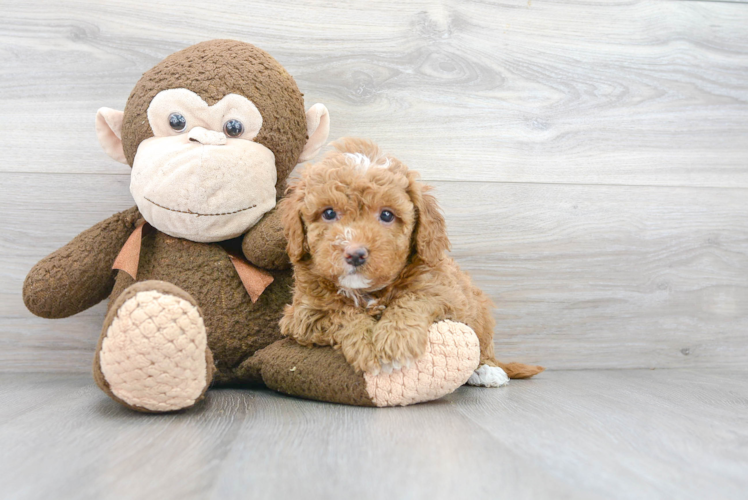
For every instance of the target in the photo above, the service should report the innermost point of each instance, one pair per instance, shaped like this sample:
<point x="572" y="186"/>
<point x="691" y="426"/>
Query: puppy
<point x="368" y="246"/>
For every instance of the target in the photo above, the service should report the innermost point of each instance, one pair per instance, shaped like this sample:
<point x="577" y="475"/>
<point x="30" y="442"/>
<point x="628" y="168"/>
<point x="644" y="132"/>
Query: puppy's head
<point x="358" y="217"/>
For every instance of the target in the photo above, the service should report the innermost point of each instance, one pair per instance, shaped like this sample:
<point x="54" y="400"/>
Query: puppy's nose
<point x="356" y="256"/>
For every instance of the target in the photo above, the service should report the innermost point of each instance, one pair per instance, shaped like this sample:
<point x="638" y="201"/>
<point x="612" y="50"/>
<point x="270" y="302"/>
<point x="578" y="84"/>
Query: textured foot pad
<point x="154" y="352"/>
<point x="451" y="358"/>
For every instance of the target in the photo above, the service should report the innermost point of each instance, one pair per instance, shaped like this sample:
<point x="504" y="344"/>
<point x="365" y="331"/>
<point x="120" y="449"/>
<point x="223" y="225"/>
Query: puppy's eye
<point x="177" y="122"/>
<point x="233" y="128"/>
<point x="386" y="216"/>
<point x="329" y="214"/>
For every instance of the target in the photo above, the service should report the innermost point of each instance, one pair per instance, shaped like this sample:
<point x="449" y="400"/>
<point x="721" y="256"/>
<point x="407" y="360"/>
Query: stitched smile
<point x="190" y="212"/>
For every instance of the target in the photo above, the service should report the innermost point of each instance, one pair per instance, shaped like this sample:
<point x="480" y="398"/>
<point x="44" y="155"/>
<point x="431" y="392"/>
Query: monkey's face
<point x="201" y="176"/>
<point x="212" y="132"/>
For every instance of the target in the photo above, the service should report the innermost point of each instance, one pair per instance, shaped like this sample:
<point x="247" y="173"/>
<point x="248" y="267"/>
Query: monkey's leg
<point x="153" y="354"/>
<point x="321" y="373"/>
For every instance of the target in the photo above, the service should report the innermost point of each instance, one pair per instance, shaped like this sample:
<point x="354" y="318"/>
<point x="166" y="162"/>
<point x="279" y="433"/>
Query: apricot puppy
<point x="368" y="245"/>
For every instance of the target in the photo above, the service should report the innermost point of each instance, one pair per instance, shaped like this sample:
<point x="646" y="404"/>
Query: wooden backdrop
<point x="591" y="157"/>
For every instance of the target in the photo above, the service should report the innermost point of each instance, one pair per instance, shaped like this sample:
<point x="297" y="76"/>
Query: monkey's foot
<point x="450" y="359"/>
<point x="153" y="353"/>
<point x="322" y="373"/>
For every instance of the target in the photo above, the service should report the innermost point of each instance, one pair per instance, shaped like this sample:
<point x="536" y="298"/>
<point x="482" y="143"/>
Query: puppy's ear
<point x="430" y="239"/>
<point x="293" y="226"/>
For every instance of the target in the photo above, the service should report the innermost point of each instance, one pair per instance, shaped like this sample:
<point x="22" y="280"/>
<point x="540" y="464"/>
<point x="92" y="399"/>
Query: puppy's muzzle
<point x="356" y="256"/>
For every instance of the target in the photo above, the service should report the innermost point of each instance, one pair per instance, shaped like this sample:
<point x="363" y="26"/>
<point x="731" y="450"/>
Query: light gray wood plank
<point x="42" y="219"/>
<point x="585" y="434"/>
<point x="582" y="276"/>
<point x="419" y="452"/>
<point x="646" y="93"/>
<point x="31" y="344"/>
<point x="635" y="276"/>
<point x="102" y="450"/>
<point x="628" y="434"/>
<point x="244" y="443"/>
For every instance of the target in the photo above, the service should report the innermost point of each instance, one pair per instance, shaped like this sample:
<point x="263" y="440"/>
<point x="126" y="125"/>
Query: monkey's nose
<point x="207" y="137"/>
<point x="356" y="256"/>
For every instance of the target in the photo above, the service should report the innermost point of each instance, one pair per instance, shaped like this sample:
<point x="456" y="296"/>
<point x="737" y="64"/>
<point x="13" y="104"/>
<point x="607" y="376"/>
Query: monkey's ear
<point x="317" y="128"/>
<point x="109" y="132"/>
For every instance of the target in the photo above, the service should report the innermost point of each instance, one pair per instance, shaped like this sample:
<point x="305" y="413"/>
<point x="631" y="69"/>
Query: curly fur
<point x="377" y="314"/>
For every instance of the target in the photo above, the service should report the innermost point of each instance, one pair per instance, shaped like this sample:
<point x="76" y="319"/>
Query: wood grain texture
<point x="582" y="276"/>
<point x="614" y="276"/>
<point x="590" y="156"/>
<point x="624" y="92"/>
<point x="593" y="434"/>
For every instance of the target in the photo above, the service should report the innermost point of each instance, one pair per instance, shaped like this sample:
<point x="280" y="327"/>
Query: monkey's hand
<point x="264" y="244"/>
<point x="79" y="275"/>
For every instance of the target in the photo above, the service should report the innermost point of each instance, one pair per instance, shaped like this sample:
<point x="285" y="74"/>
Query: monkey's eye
<point x="177" y="122"/>
<point x="329" y="214"/>
<point x="233" y="128"/>
<point x="386" y="216"/>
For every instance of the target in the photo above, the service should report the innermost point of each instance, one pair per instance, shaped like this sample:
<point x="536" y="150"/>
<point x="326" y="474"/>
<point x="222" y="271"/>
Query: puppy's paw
<point x="488" y="376"/>
<point x="360" y="354"/>
<point x="394" y="365"/>
<point x="399" y="345"/>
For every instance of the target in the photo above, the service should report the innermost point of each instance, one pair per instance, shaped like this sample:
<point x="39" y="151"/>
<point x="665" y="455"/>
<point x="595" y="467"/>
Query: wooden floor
<point x="615" y="434"/>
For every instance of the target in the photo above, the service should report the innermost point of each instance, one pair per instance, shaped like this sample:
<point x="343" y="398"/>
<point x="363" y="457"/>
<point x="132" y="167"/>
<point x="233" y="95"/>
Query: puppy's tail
<point x="519" y="370"/>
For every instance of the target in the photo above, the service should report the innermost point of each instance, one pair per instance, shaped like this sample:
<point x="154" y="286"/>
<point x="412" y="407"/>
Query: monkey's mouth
<point x="190" y="212"/>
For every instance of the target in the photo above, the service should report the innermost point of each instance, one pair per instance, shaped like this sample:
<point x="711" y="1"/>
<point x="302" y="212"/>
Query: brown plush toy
<point x="197" y="274"/>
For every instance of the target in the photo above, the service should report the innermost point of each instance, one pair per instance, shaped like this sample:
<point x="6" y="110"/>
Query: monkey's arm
<point x="264" y="245"/>
<point x="79" y="275"/>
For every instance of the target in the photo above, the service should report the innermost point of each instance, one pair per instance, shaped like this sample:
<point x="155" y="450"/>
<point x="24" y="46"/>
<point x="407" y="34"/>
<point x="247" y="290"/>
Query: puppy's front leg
<point x="345" y="329"/>
<point x="355" y="341"/>
<point x="401" y="335"/>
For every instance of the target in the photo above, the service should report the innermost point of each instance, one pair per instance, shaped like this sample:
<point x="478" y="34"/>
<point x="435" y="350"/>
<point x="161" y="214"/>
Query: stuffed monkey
<point x="196" y="273"/>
